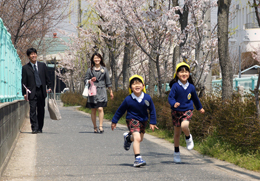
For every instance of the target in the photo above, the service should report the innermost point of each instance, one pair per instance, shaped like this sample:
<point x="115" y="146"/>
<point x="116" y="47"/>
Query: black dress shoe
<point x="39" y="131"/>
<point x="34" y="132"/>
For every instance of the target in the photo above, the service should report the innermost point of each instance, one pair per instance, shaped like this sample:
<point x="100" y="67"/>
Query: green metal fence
<point x="248" y="83"/>
<point x="10" y="68"/>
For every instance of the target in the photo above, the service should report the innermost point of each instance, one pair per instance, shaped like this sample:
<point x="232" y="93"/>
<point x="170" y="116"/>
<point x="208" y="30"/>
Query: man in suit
<point x="35" y="78"/>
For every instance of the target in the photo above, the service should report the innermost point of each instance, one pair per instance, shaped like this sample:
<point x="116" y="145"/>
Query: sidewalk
<point x="69" y="150"/>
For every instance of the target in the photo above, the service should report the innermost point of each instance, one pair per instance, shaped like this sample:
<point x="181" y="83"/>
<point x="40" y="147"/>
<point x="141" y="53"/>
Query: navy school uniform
<point x="136" y="110"/>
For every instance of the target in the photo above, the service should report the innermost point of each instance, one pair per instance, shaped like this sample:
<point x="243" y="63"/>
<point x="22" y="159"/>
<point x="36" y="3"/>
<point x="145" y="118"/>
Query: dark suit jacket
<point x="28" y="79"/>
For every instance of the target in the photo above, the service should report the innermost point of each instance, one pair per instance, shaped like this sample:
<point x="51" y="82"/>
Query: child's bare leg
<point x="186" y="130"/>
<point x="177" y="134"/>
<point x="136" y="138"/>
<point x="93" y="117"/>
<point x="185" y="127"/>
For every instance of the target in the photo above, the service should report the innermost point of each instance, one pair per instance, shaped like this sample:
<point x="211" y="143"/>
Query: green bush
<point x="112" y="105"/>
<point x="73" y="99"/>
<point x="163" y="113"/>
<point x="232" y="122"/>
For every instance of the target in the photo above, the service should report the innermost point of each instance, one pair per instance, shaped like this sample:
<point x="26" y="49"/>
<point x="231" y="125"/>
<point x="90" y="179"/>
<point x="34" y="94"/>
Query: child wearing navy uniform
<point x="136" y="105"/>
<point x="181" y="99"/>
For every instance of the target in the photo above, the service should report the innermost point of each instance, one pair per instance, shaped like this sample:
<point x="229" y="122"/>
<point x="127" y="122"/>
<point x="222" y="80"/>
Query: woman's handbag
<point x="92" y="91"/>
<point x="53" y="109"/>
<point x="85" y="91"/>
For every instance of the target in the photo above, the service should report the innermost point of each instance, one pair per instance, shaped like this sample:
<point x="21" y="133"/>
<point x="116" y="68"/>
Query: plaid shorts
<point x="136" y="126"/>
<point x="179" y="116"/>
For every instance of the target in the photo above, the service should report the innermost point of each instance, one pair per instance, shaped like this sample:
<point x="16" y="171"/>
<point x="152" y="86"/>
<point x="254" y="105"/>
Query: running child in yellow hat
<point x="181" y="99"/>
<point x="136" y="105"/>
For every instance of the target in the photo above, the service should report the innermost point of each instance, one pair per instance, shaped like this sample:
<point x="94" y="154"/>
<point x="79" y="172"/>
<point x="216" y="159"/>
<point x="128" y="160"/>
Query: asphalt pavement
<point x="69" y="150"/>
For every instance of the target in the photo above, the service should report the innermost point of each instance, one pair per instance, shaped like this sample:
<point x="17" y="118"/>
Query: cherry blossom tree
<point x="29" y="22"/>
<point x="140" y="37"/>
<point x="74" y="62"/>
<point x="146" y="24"/>
<point x="154" y="27"/>
<point x="200" y="43"/>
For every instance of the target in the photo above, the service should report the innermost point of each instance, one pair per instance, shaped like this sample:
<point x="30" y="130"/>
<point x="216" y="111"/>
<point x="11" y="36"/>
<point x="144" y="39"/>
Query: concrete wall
<point x="12" y="116"/>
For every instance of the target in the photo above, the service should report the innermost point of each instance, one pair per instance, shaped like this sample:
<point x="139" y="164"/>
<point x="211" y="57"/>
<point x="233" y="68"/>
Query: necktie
<point x="37" y="77"/>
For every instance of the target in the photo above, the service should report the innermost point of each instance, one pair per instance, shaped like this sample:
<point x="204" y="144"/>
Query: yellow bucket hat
<point x="178" y="66"/>
<point x="139" y="77"/>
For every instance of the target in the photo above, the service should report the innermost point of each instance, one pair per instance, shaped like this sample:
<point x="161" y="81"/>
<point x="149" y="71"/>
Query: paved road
<point x="68" y="150"/>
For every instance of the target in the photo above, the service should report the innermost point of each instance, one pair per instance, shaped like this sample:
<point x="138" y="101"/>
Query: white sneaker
<point x="139" y="162"/>
<point x="190" y="143"/>
<point x="177" y="157"/>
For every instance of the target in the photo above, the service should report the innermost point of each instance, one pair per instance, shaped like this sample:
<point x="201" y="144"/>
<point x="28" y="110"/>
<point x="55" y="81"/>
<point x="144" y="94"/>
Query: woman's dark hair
<point x="92" y="60"/>
<point x="31" y="50"/>
<point x="183" y="67"/>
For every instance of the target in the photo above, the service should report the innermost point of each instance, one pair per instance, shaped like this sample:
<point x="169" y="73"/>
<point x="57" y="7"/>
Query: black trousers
<point x="37" y="105"/>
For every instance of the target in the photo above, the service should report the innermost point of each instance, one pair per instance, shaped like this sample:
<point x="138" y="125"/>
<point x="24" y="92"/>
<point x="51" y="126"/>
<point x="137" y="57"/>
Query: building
<point x="244" y="26"/>
<point x="53" y="53"/>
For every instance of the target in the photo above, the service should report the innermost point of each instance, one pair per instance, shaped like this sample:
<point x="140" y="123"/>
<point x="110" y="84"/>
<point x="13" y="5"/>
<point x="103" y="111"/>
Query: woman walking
<point x="98" y="74"/>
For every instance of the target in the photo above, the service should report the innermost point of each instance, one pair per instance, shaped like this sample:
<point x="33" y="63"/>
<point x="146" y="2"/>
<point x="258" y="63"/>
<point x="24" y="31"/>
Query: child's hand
<point x="202" y="110"/>
<point x="113" y="126"/>
<point x="177" y="104"/>
<point x="152" y="126"/>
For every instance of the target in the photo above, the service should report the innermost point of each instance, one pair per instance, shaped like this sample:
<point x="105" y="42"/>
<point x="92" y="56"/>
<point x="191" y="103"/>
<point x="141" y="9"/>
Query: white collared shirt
<point x="139" y="99"/>
<point x="34" y="64"/>
<point x="185" y="86"/>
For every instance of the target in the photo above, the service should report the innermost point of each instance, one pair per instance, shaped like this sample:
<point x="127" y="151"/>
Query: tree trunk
<point x="225" y="64"/>
<point x="198" y="68"/>
<point x="113" y="69"/>
<point x="176" y="51"/>
<point x="258" y="81"/>
<point x="159" y="90"/>
<point x="126" y="63"/>
<point x="71" y="81"/>
<point x="175" y="58"/>
<point x="175" y="3"/>
<point x="152" y="73"/>
<point x="256" y="12"/>
<point x="183" y="21"/>
<point x="256" y="91"/>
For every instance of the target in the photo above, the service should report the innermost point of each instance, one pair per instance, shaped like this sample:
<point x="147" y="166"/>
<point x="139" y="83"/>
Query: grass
<point x="211" y="146"/>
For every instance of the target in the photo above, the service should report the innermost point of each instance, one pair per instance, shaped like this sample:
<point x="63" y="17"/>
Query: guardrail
<point x="167" y="88"/>
<point x="57" y="95"/>
<point x="10" y="68"/>
<point x="248" y="83"/>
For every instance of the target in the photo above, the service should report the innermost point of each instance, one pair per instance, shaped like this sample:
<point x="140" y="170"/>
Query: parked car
<point x="65" y="90"/>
